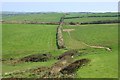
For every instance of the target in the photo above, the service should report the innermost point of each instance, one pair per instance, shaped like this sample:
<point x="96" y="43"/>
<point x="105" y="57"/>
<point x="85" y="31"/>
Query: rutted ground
<point x="66" y="66"/>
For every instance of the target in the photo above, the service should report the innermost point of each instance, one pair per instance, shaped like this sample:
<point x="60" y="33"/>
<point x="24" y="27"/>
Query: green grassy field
<point x="86" y="18"/>
<point x="103" y="63"/>
<point x="91" y="14"/>
<point x="90" y="19"/>
<point x="100" y="34"/>
<point x="47" y="17"/>
<point x="55" y="17"/>
<point x="20" y="40"/>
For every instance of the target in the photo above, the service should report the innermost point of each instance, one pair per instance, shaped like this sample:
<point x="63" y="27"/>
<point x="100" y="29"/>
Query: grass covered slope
<point x="101" y="35"/>
<point x="22" y="39"/>
<point x="103" y="63"/>
<point x="90" y="17"/>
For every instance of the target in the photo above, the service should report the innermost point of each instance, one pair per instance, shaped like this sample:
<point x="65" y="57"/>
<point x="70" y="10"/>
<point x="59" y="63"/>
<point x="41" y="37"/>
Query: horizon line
<point x="58" y="11"/>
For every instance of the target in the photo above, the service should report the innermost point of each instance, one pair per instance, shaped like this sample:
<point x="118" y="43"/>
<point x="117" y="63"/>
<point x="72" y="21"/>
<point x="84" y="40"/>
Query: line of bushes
<point x="72" y="17"/>
<point x="104" y="15"/>
<point x="29" y="22"/>
<point x="93" y="22"/>
<point x="102" y="22"/>
<point x="92" y="16"/>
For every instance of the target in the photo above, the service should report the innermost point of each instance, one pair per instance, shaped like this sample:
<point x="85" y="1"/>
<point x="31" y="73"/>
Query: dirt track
<point x="68" y="30"/>
<point x="100" y="47"/>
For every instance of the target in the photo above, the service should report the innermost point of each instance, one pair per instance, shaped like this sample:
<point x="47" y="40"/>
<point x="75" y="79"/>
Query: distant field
<point x="55" y="17"/>
<point x="103" y="63"/>
<point x="90" y="19"/>
<point x="47" y="17"/>
<point x="86" y="17"/>
<point x="21" y="39"/>
<point x="91" y="14"/>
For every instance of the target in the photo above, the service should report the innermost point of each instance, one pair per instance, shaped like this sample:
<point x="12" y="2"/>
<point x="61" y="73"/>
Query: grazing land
<point x="99" y="35"/>
<point x="35" y="17"/>
<point x="31" y="50"/>
<point x="91" y="17"/>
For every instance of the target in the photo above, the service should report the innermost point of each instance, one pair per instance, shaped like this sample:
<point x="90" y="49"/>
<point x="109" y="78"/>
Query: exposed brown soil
<point x="67" y="54"/>
<point x="56" y="68"/>
<point x="37" y="58"/>
<point x="67" y="64"/>
<point x="64" y="60"/>
<point x="71" y="68"/>
<point x="65" y="67"/>
<point x="40" y="69"/>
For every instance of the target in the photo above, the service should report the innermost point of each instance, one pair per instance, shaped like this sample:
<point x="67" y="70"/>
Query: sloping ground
<point x="91" y="17"/>
<point x="103" y="63"/>
<point x="36" y="17"/>
<point x="20" y="40"/>
<point x="57" y="70"/>
<point x="92" y="35"/>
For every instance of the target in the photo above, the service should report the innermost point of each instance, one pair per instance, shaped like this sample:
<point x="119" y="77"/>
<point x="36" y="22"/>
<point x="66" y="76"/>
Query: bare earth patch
<point x="100" y="47"/>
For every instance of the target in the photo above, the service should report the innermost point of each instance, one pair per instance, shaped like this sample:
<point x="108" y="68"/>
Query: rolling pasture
<point x="21" y="40"/>
<point x="25" y="38"/>
<point x="40" y="17"/>
<point x="103" y="61"/>
<point x="89" y="17"/>
<point x="94" y="34"/>
<point x="108" y="14"/>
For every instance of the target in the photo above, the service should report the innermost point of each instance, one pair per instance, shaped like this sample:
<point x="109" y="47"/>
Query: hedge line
<point x="59" y="23"/>
<point x="92" y="16"/>
<point x="102" y="22"/>
<point x="29" y="22"/>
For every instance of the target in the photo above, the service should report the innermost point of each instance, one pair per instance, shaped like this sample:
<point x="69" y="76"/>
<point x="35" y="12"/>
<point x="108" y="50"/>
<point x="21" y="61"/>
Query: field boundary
<point x="59" y="36"/>
<point x="29" y="22"/>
